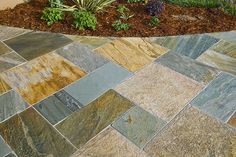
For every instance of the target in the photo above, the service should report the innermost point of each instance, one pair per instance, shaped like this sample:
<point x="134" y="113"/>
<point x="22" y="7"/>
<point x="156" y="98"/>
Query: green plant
<point x="196" y="3"/>
<point x="135" y="1"/>
<point x="118" y="25"/>
<point x="84" y="19"/>
<point x="52" y="15"/>
<point x="124" y="12"/>
<point x="229" y="6"/>
<point x="92" y="5"/>
<point x="154" y="21"/>
<point x="55" y="3"/>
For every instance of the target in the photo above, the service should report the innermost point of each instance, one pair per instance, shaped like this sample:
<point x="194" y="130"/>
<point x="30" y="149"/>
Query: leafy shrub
<point x="92" y="5"/>
<point x="118" y="25"/>
<point x="196" y="3"/>
<point x="123" y="10"/>
<point x="155" y="7"/>
<point x="154" y="21"/>
<point x="52" y="15"/>
<point x="84" y="19"/>
<point x="229" y="6"/>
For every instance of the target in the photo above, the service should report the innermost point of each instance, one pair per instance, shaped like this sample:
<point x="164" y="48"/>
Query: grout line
<point x="25" y="31"/>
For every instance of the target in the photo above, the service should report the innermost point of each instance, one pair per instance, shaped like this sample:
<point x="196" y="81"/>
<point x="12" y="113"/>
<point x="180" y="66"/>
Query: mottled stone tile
<point x="219" y="61"/>
<point x="227" y="36"/>
<point x="189" y="45"/>
<point x="4" y="148"/>
<point x="131" y="53"/>
<point x="82" y="56"/>
<point x="160" y="90"/>
<point x="83" y="125"/>
<point x="189" y="67"/>
<point x="42" y="77"/>
<point x="90" y="41"/>
<point x="4" y="87"/>
<point x="33" y="136"/>
<point x="4" y="49"/>
<point x="11" y="155"/>
<point x="10" y="32"/>
<point x="109" y="143"/>
<point x="219" y="98"/>
<point x="194" y="134"/>
<point x="10" y="104"/>
<point x="138" y="126"/>
<point x="226" y="48"/>
<point x="35" y="44"/>
<point x="10" y="60"/>
<point x="232" y="120"/>
<point x="95" y="84"/>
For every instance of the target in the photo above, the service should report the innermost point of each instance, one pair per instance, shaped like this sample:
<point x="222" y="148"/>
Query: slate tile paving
<point x="225" y="48"/>
<point x="4" y="49"/>
<point x="11" y="155"/>
<point x="227" y="36"/>
<point x="10" y="32"/>
<point x="4" y="87"/>
<point x="4" y="148"/>
<point x="232" y="120"/>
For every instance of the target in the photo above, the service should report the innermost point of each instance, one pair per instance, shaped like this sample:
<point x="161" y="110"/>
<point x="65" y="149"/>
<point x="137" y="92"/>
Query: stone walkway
<point x="63" y="95"/>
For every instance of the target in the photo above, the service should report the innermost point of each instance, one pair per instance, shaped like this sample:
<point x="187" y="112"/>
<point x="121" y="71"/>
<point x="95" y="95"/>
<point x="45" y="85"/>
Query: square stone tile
<point x="4" y="87"/>
<point x="82" y="56"/>
<point x="35" y="44"/>
<point x="194" y="134"/>
<point x="4" y="148"/>
<point x="227" y="36"/>
<point x="188" y="45"/>
<point x="33" y="136"/>
<point x="42" y="77"/>
<point x="4" y="49"/>
<point x="131" y="53"/>
<point x="219" y="61"/>
<point x="11" y="103"/>
<point x="219" y="98"/>
<point x="160" y="90"/>
<point x="189" y="67"/>
<point x="10" y="60"/>
<point x="57" y="107"/>
<point x="10" y="32"/>
<point x="83" y="125"/>
<point x="232" y="120"/>
<point x="226" y="48"/>
<point x="110" y="143"/>
<point x="95" y="84"/>
<point x="138" y="126"/>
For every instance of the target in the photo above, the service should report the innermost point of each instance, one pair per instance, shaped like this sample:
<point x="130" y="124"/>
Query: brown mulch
<point x="175" y="20"/>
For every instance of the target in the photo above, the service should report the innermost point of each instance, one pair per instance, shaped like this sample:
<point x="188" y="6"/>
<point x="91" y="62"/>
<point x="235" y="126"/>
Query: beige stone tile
<point x="160" y="90"/>
<point x="194" y="134"/>
<point x="131" y="53"/>
<point x="110" y="143"/>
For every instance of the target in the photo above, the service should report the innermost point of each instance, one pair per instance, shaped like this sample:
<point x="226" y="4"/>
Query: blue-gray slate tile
<point x="4" y="148"/>
<point x="11" y="103"/>
<point x="139" y="126"/>
<point x="227" y="36"/>
<point x="189" y="45"/>
<point x="96" y="83"/>
<point x="219" y="98"/>
<point x="188" y="67"/>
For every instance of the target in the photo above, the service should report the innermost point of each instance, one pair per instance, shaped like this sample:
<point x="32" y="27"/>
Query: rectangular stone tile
<point x="4" y="87"/>
<point x="42" y="77"/>
<point x="35" y="44"/>
<point x="160" y="90"/>
<point x="11" y="103"/>
<point x="10" y="32"/>
<point x="219" y="98"/>
<point x="232" y="120"/>
<point x="82" y="56"/>
<point x="219" y="61"/>
<point x="226" y="48"/>
<point x="131" y="53"/>
<point x="95" y="84"/>
<point x="189" y="67"/>
<point x="188" y="45"/>
<point x="11" y="155"/>
<point x="83" y="125"/>
<point x="109" y="143"/>
<point x="4" y="49"/>
<point x="33" y="136"/>
<point x="138" y="126"/>
<point x="4" y="148"/>
<point x="227" y="36"/>
<point x="10" y="60"/>
<point x="194" y="134"/>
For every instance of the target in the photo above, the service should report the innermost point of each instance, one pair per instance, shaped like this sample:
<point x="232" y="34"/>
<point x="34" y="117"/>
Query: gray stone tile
<point x="189" y="67"/>
<point x="138" y="125"/>
<point x="34" y="44"/>
<point x="4" y="148"/>
<point x="10" y="32"/>
<point x="82" y="56"/>
<point x="219" y="98"/>
<point x="227" y="36"/>
<point x="189" y="45"/>
<point x="10" y="104"/>
<point x="11" y="155"/>
<point x="4" y="49"/>
<point x="96" y="83"/>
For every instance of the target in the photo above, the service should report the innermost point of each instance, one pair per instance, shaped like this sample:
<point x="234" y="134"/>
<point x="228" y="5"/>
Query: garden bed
<point x="174" y="20"/>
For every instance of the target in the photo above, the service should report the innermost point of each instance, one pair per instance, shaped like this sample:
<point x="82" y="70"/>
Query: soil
<point x="174" y="20"/>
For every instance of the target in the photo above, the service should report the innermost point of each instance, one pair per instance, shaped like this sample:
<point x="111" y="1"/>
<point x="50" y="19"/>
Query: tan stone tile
<point x="194" y="134"/>
<point x="110" y="143"/>
<point x="3" y="87"/>
<point x="42" y="77"/>
<point x="232" y="120"/>
<point x="131" y="53"/>
<point x="160" y="90"/>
